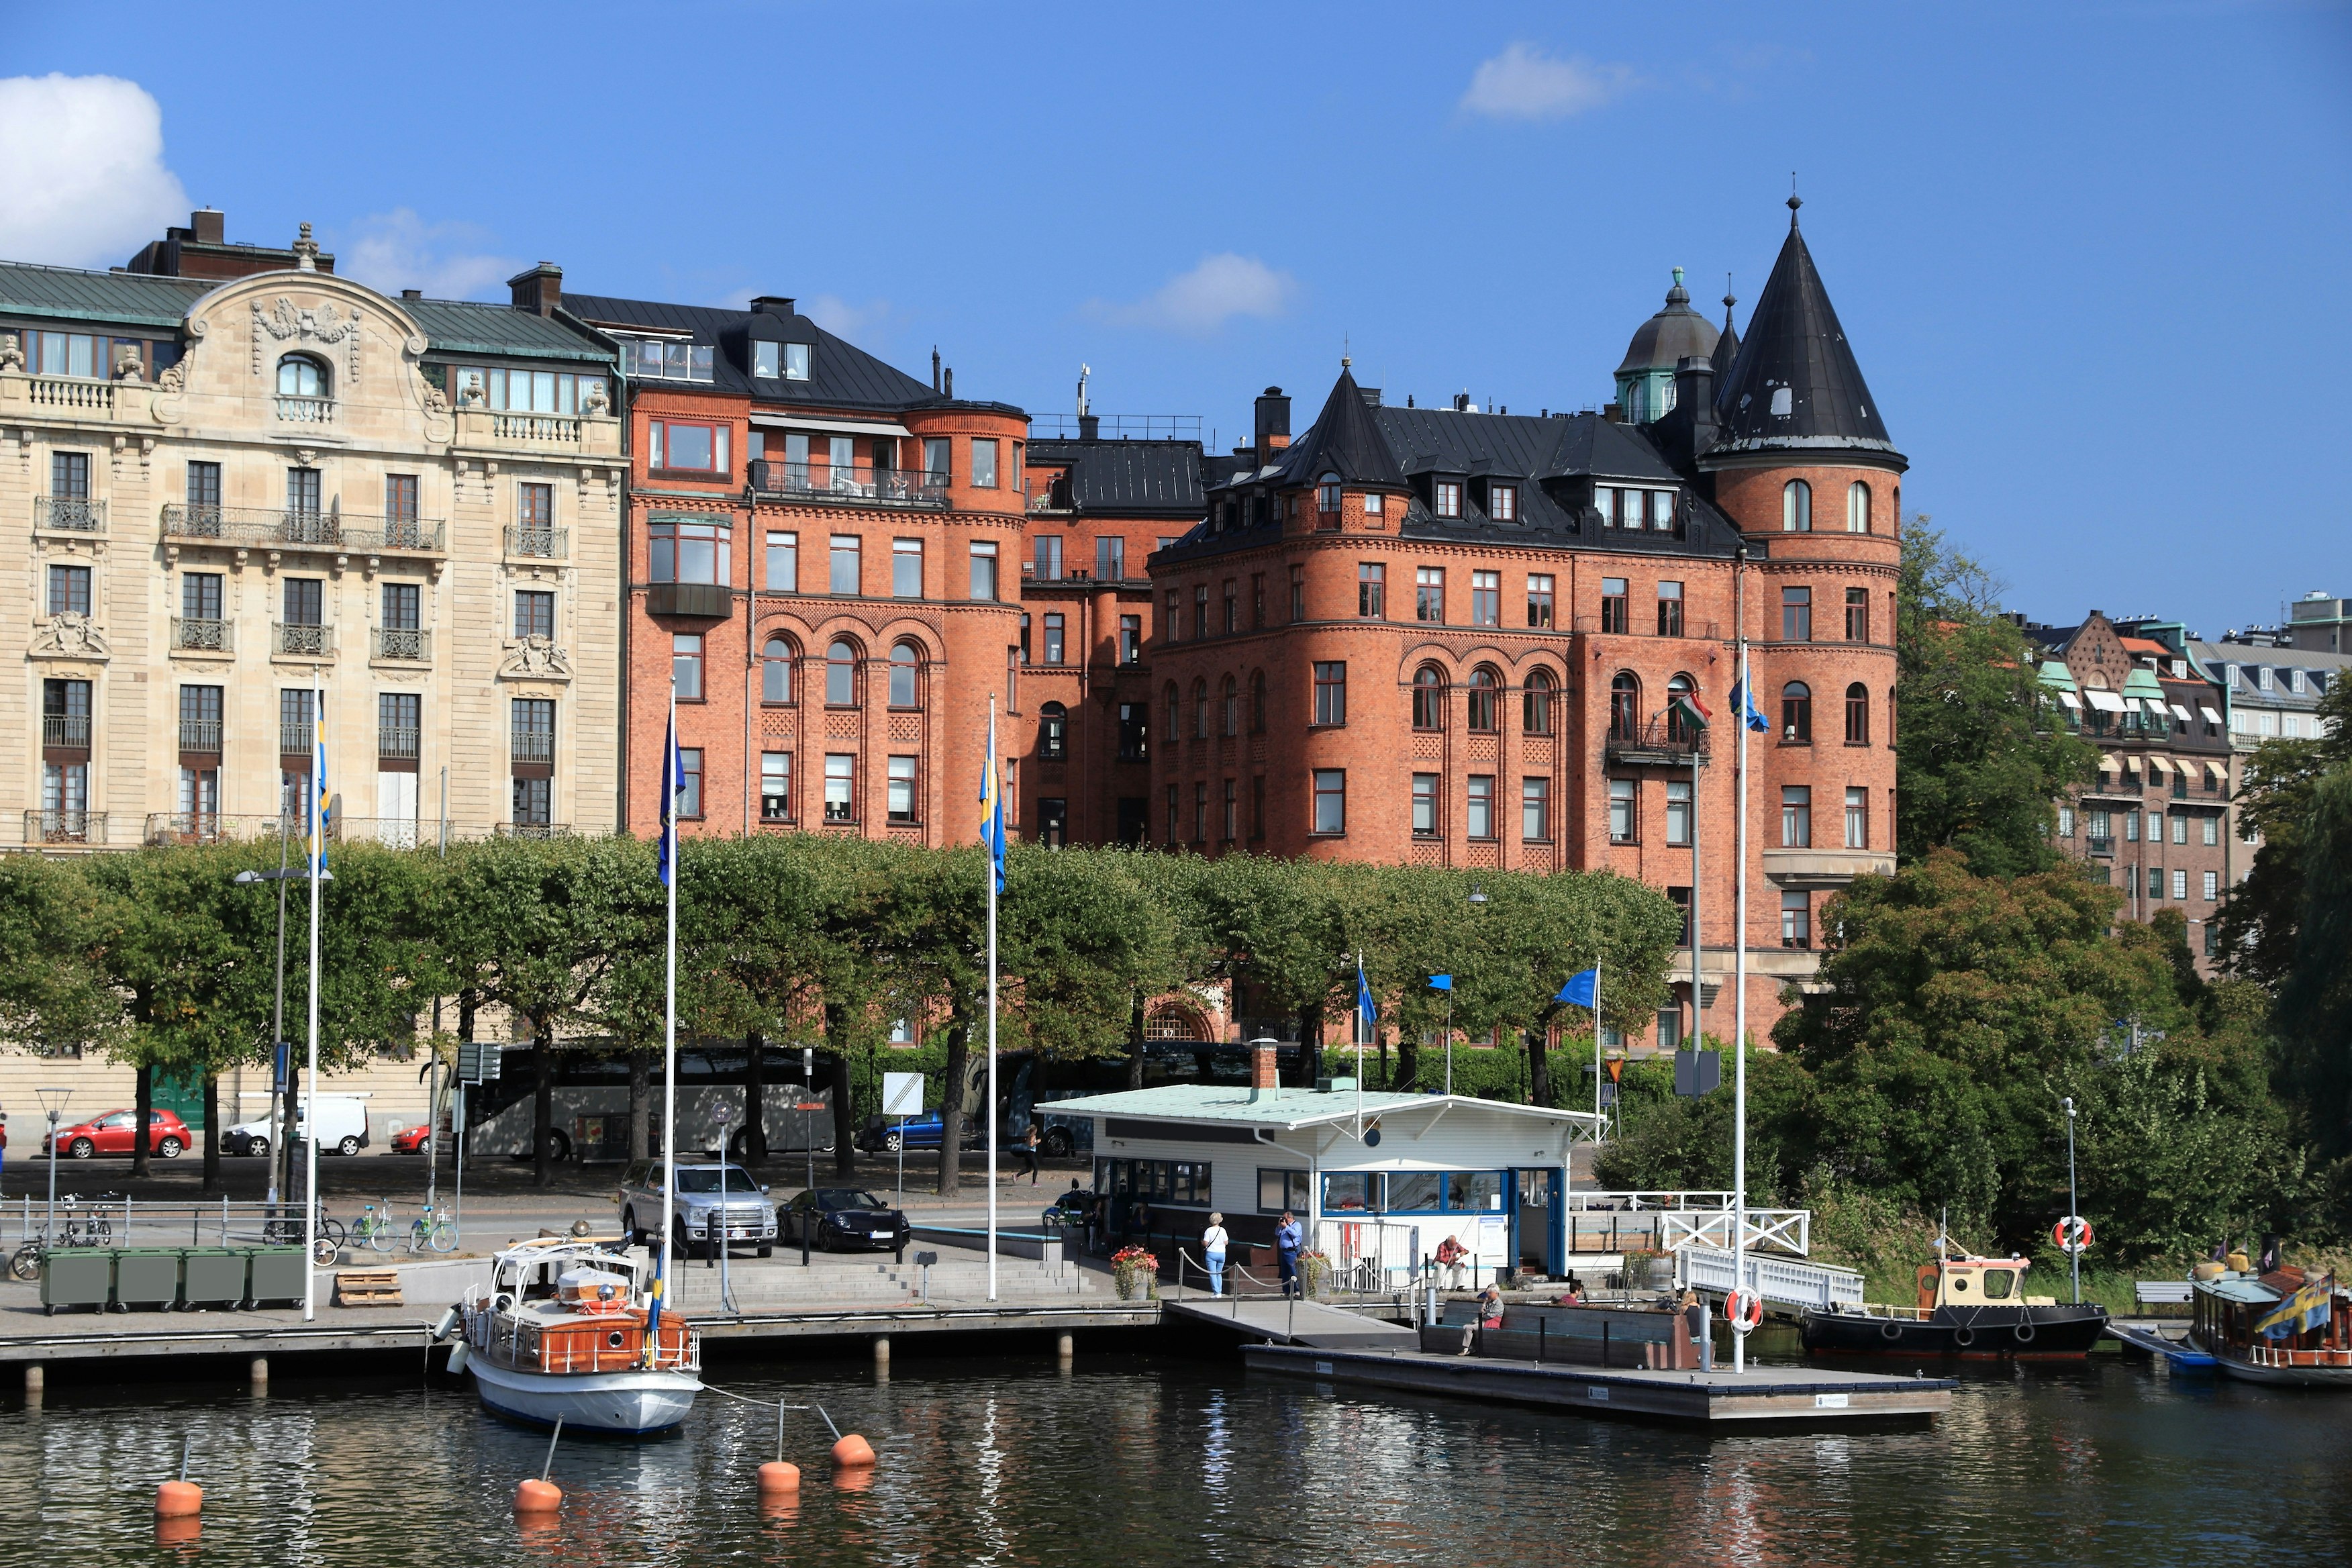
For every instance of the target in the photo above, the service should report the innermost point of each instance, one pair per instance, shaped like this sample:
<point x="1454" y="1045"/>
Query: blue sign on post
<point x="278" y="1085"/>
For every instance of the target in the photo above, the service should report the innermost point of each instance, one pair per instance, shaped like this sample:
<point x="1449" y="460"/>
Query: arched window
<point x="776" y="672"/>
<point x="840" y="673"/>
<point x="1796" y="507"/>
<point x="905" y="665"/>
<point x="1258" y="702"/>
<point x="1201" y="709"/>
<point x="1536" y="717"/>
<point x="1624" y="706"/>
<point x="300" y="375"/>
<point x="1428" y="698"/>
<point x="1857" y="507"/>
<point x="1676" y="728"/>
<point x="1231" y="704"/>
<point x="1326" y="495"/>
<point x="1796" y="711"/>
<point x="1486" y="701"/>
<point x="1053" y="731"/>
<point x="1857" y="714"/>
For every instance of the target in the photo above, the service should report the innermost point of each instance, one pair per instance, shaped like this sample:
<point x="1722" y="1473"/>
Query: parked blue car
<point x="884" y="1134"/>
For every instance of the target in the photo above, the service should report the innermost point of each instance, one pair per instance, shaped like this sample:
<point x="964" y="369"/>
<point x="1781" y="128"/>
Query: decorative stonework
<point x="535" y="659"/>
<point x="12" y="353"/>
<point x="319" y="324"/>
<point x="67" y="637"/>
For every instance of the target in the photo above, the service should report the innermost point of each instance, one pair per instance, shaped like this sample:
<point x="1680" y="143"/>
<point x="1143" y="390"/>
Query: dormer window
<point x="1503" y="503"/>
<point x="2262" y="675"/>
<point x="767" y="360"/>
<point x="1445" y="498"/>
<point x="2295" y="681"/>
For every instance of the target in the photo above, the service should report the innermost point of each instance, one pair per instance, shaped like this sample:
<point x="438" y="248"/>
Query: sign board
<point x="477" y="1061"/>
<point x="1698" y="1072"/>
<point x="902" y="1094"/>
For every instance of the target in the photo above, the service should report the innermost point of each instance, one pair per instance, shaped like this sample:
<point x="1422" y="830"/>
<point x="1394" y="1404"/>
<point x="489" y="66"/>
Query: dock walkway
<point x="1282" y="1322"/>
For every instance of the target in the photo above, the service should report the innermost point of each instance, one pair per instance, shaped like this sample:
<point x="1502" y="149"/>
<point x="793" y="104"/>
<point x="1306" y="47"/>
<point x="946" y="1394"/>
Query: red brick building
<point x="1445" y="636"/>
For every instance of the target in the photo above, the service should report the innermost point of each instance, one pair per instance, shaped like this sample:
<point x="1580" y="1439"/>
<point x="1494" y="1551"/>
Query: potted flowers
<point x="1314" y="1267"/>
<point x="1135" y="1271"/>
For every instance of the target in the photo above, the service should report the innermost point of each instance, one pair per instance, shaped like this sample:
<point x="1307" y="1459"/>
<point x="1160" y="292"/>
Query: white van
<point x="342" y="1128"/>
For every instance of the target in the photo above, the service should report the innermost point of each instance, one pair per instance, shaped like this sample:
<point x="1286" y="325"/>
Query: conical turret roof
<point x="1345" y="440"/>
<point x="1795" y="384"/>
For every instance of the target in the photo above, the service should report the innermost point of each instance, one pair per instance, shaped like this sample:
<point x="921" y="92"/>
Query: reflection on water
<point x="1133" y="1462"/>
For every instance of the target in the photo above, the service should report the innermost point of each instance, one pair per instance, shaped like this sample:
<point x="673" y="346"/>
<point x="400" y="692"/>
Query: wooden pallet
<point x="367" y="1287"/>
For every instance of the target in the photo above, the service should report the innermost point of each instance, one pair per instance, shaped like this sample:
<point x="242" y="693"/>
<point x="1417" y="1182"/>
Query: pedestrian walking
<point x="1288" y="1239"/>
<point x="1212" y="1250"/>
<point x="1029" y="1151"/>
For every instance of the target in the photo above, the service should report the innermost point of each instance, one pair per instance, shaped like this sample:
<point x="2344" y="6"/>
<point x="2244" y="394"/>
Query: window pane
<point x="1416" y="1192"/>
<point x="983" y="463"/>
<point x="907" y="568"/>
<point x="844" y="563"/>
<point x="783" y="562"/>
<point x="1474" y="1192"/>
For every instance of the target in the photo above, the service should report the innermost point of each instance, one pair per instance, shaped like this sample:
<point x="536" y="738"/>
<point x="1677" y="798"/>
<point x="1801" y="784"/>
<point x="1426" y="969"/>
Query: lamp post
<point x="2074" y="1249"/>
<point x="53" y="1105"/>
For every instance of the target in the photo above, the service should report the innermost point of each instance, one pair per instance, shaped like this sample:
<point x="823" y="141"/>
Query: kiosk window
<point x="1353" y="1191"/>
<point x="1280" y="1190"/>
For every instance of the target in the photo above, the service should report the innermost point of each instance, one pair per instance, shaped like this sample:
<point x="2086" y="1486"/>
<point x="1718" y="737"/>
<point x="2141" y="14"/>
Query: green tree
<point x="2261" y="921"/>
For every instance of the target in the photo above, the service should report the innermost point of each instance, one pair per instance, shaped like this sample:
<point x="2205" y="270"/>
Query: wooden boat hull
<point x="625" y="1404"/>
<point x="1977" y="1334"/>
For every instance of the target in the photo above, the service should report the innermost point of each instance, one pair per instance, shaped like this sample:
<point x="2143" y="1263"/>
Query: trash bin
<point x="278" y="1274"/>
<point x="211" y="1276"/>
<point x="146" y="1277"/>
<point x="76" y="1276"/>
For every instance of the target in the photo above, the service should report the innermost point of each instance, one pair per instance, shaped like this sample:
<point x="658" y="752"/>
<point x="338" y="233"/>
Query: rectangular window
<point x="1678" y="812"/>
<point x="1503" y="502"/>
<point x="983" y="570"/>
<point x="783" y="562"/>
<point x="2212" y="827"/>
<point x="1796" y="817"/>
<point x="62" y="353"/>
<point x="840" y="787"/>
<point x="305" y="601"/>
<point x="1131" y="639"/>
<point x="1486" y="599"/>
<point x="686" y="448"/>
<point x="302" y="491"/>
<point x="843" y="574"/>
<point x="2131" y="827"/>
<point x="2065" y="822"/>
<point x="2154" y="882"/>
<point x="1662" y="510"/>
<point x="1680" y="898"/>
<point x="902" y="789"/>
<point x="936" y="450"/>
<point x="1424" y="805"/>
<point x="1429" y="594"/>
<point x="200" y="595"/>
<point x="2180" y="883"/>
<point x="1615" y="616"/>
<point x="1796" y="615"/>
<point x="1173" y="619"/>
<point x="690" y="769"/>
<point x="775" y="787"/>
<point x="983" y="462"/>
<point x="1201" y="610"/>
<point x="1047" y="563"/>
<point x="1796" y="919"/>
<point x="1539" y="590"/>
<point x="2212" y="886"/>
<point x="1233" y="810"/>
<point x="1055" y="624"/>
<point x="685" y="666"/>
<point x="1281" y="1192"/>
<point x="1604" y="501"/>
<point x="1330" y="800"/>
<point x="1535" y="809"/>
<point x="533" y="801"/>
<point x="204" y="485"/>
<point x="2180" y="829"/>
<point x="1857" y="819"/>
<point x="1200" y="812"/>
<point x="1375" y="511"/>
<point x="1623" y="816"/>
<point x="1330" y="693"/>
<point x="402" y="601"/>
<point x="1171" y="814"/>
<point x="534" y="505"/>
<point x="678" y="549"/>
<point x="907" y="568"/>
<point x="1298" y="592"/>
<point x="1110" y="558"/>
<point x="1857" y="615"/>
<point x="1445" y="498"/>
<point x="534" y="613"/>
<point x="1670" y="609"/>
<point x="400" y="502"/>
<point x="1480" y="817"/>
<point x="70" y="590"/>
<point x="767" y="360"/>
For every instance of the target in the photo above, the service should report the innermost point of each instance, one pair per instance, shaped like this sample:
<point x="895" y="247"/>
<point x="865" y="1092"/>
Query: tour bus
<point x="1037" y="1081"/>
<point x="590" y="1117"/>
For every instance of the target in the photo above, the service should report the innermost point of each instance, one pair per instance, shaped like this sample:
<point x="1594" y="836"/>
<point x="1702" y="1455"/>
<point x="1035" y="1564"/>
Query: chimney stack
<point x="1090" y="426"/>
<point x="1265" y="1072"/>
<point x="208" y="227"/>
<point x="539" y="289"/>
<point x="1273" y="427"/>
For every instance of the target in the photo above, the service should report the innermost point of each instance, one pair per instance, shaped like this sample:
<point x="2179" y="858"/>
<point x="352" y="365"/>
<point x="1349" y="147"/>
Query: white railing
<point x="307" y="410"/>
<point x="1768" y="1230"/>
<point x="1779" y="1280"/>
<point x="1369" y="1254"/>
<point x="559" y="427"/>
<point x="1638" y="1201"/>
<point x="71" y="392"/>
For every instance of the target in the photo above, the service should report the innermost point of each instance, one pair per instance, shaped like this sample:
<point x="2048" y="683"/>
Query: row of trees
<point x="161" y="959"/>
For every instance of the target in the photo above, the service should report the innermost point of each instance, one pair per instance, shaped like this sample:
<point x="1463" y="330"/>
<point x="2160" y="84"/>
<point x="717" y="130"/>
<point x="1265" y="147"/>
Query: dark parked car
<point x="836" y="1217"/>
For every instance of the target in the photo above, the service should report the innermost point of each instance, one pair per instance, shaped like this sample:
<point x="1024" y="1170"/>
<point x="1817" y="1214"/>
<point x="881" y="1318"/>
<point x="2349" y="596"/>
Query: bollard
<point x="1064" y="1347"/>
<point x="258" y="1374"/>
<point x="852" y="1452"/>
<point x="882" y="1351"/>
<point x="779" y="1478"/>
<point x="33" y="1380"/>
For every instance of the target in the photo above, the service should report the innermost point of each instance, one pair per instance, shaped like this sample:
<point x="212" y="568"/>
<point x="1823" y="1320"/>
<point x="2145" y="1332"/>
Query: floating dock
<point x="2146" y="1340"/>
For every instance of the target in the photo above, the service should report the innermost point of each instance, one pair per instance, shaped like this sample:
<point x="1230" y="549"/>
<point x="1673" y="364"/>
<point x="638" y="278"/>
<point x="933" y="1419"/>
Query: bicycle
<point x="432" y="1230"/>
<point x="26" y="1264"/>
<point x="372" y="1230"/>
<point x="288" y="1231"/>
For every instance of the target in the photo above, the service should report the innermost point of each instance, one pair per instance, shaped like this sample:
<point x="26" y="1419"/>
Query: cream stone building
<point x="235" y="505"/>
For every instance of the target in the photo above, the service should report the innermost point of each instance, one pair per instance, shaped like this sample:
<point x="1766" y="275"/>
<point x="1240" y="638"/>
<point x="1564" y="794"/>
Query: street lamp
<point x="2074" y="1246"/>
<point x="53" y="1104"/>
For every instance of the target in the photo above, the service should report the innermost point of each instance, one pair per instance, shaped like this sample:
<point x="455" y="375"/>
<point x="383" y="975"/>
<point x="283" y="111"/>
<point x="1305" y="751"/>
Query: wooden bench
<point x="367" y="1287"/>
<point x="2161" y="1292"/>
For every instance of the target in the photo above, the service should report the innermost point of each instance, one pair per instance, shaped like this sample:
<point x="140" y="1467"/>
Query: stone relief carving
<point x="67" y="637"/>
<point x="434" y="403"/>
<point x="12" y="353"/>
<point x="173" y="380"/>
<point x="319" y="324"/>
<point x="536" y="657"/>
<point x="127" y="366"/>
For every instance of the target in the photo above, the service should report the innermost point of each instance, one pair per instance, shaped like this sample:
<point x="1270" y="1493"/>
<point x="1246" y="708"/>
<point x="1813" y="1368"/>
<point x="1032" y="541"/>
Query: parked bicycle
<point x="373" y="1229"/>
<point x="432" y="1231"/>
<point x="287" y="1231"/>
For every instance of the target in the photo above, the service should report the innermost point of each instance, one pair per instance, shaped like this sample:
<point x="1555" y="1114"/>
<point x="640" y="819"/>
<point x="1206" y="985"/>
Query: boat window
<point x="1998" y="1283"/>
<point x="739" y="1179"/>
<point x="1959" y="1282"/>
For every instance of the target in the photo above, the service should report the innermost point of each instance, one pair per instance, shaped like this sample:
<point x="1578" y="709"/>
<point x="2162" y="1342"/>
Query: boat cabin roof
<point x="602" y="1253"/>
<point x="2239" y="1288"/>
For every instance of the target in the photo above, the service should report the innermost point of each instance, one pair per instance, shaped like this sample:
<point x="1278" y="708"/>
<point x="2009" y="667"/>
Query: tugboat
<point x="1970" y="1307"/>
<point x="2284" y="1326"/>
<point x="562" y="1331"/>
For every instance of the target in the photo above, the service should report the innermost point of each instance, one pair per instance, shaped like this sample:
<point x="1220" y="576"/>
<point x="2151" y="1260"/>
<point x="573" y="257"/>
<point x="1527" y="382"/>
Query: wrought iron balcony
<point x="294" y="737"/>
<point x="73" y="514"/>
<point x="297" y="640"/>
<point x="70" y="732"/>
<point x="64" y="826"/>
<point x="190" y="635"/>
<point x="534" y="830"/>
<point x="300" y="529"/>
<point x="397" y="741"/>
<point x="1657" y="741"/>
<point x="409" y="645"/>
<point x="201" y="736"/>
<point x="306" y="410"/>
<point x="544" y="543"/>
<point x="533" y="746"/>
<point x="848" y="482"/>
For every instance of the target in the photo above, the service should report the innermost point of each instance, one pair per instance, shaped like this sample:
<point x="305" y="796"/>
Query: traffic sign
<point x="2072" y="1233"/>
<point x="477" y="1061"/>
<point x="902" y="1094"/>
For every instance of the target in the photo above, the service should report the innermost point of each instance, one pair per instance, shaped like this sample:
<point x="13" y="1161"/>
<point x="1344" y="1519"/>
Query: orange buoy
<point x="178" y="1500"/>
<point x="852" y="1452"/>
<point x="538" y="1497"/>
<point x="776" y="1477"/>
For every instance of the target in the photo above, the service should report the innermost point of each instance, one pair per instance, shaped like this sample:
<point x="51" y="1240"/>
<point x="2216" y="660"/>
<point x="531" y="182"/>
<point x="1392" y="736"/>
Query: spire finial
<point x="1795" y="201"/>
<point x="1345" y="358"/>
<point x="306" y="252"/>
<point x="1729" y="299"/>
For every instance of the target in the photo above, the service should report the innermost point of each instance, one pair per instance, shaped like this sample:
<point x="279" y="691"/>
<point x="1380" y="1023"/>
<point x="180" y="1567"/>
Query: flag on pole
<point x="673" y="781"/>
<point x="1581" y="989"/>
<point x="1687" y="707"/>
<point x="1743" y="702"/>
<point x="992" y="808"/>
<point x="1371" y="1013"/>
<point x="319" y="799"/>
<point x="1441" y="982"/>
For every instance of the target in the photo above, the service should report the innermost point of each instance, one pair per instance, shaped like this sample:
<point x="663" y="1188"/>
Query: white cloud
<point x="1216" y="291"/>
<point x="1524" y="83"/>
<point x="397" y="249"/>
<point x="83" y="183"/>
<point x="844" y="317"/>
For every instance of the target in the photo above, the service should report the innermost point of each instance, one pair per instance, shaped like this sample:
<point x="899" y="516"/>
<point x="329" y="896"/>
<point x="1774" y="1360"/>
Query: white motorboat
<point x="562" y="1332"/>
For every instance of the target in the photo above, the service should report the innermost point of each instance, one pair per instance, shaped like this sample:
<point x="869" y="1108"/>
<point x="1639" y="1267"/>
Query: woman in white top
<point x="1212" y="1247"/>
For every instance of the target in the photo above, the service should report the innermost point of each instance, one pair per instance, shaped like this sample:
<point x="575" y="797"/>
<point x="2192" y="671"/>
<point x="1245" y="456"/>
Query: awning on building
<point x="2159" y="764"/>
<point x="2070" y="700"/>
<point x="2220" y="774"/>
<point x="2181" y="712"/>
<point x="2106" y="701"/>
<point x="2108" y="764"/>
<point x="2210" y="716"/>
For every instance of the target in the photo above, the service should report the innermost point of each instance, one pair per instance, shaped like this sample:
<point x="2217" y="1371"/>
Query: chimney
<point x="1272" y="423"/>
<point x="1264" y="1072"/>
<point x="207" y="227"/>
<point x="947" y="381"/>
<point x="412" y="293"/>
<point x="1613" y="412"/>
<point x="1090" y="426"/>
<point x="935" y="369"/>
<point x="773" y="305"/>
<point x="540" y="289"/>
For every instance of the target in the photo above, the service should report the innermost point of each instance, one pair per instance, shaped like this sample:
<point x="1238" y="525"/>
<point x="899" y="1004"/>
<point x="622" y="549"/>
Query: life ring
<point x="2024" y="1333"/>
<point x="1890" y="1329"/>
<point x="1964" y="1336"/>
<point x="1743" y="1309"/>
<point x="598" y="1306"/>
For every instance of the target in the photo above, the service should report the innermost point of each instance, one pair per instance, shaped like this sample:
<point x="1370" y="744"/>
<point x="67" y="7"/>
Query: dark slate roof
<point x="1128" y="478"/>
<point x="1676" y="332"/>
<point x="841" y="375"/>
<point x="1726" y="349"/>
<point x="69" y="294"/>
<point x="1345" y="439"/>
<point x="461" y="327"/>
<point x="1796" y="384"/>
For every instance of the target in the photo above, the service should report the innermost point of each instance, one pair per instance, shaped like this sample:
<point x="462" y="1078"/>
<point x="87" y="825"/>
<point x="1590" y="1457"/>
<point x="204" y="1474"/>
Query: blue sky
<point x="2077" y="247"/>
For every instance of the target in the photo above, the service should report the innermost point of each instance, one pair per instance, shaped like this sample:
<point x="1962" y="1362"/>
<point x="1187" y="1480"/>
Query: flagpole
<point x="1362" y="992"/>
<point x="996" y="812"/>
<point x="1596" y="1047"/>
<point x="669" y="1022"/>
<point x="311" y="1066"/>
<point x="1739" y="998"/>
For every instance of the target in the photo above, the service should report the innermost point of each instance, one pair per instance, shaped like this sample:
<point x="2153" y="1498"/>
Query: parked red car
<point x="411" y="1139"/>
<point x="111" y="1135"/>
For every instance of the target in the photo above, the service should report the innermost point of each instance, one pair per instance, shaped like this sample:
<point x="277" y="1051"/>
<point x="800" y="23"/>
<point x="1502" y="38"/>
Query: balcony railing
<point x="297" y="640"/>
<point x="1657" y="738"/>
<point x="76" y="514"/>
<point x="193" y="636"/>
<point x="905" y="487"/>
<point x="68" y="730"/>
<point x="408" y="644"/>
<point x="307" y="410"/>
<point x="294" y="526"/>
<point x="71" y="392"/>
<point x="2100" y="845"/>
<point x="62" y="826"/>
<point x="294" y="737"/>
<point x="562" y="427"/>
<point x="534" y="830"/>
<point x="396" y="739"/>
<point x="201" y="736"/>
<point x="546" y="544"/>
<point x="535" y="746"/>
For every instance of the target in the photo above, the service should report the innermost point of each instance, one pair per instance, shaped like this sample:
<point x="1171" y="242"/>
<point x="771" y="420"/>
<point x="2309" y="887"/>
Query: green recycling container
<point x="280" y="1274"/>
<point x="211" y="1276"/>
<point x="76" y="1276"/>
<point x="147" y="1277"/>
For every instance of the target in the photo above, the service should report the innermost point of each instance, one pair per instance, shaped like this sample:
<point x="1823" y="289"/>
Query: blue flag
<point x="1371" y="1015"/>
<point x="1441" y="982"/>
<point x="1581" y="989"/>
<point x="1743" y="702"/>
<point x="992" y="808"/>
<point x="673" y="781"/>
<point x="322" y="802"/>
